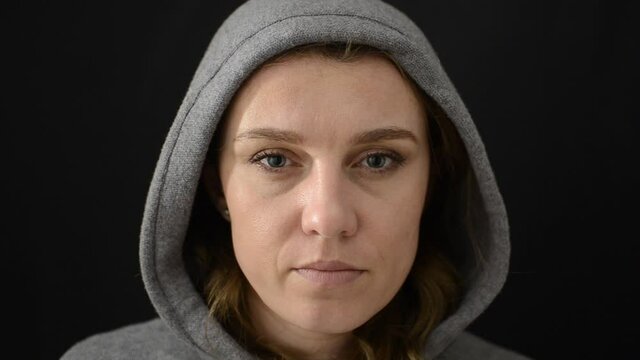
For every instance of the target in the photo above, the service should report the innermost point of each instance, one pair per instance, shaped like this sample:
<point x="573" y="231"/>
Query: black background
<point x="90" y="90"/>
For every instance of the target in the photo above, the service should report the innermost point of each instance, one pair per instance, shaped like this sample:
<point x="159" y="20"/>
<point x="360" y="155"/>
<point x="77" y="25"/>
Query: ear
<point x="213" y="187"/>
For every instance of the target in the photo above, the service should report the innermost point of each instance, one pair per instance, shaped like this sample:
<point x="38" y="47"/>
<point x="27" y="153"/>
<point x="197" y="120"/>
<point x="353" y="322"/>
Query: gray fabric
<point x="468" y="346"/>
<point x="149" y="340"/>
<point x="154" y="340"/>
<point x="256" y="31"/>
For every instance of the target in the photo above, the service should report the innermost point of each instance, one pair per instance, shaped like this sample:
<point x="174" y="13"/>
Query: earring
<point x="225" y="214"/>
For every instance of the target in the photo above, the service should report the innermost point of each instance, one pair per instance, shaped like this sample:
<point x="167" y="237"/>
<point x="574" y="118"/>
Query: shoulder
<point x="147" y="340"/>
<point x="469" y="346"/>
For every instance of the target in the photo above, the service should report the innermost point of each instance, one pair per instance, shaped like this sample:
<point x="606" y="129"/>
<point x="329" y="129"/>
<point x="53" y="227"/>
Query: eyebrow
<point x="270" y="134"/>
<point x="387" y="133"/>
<point x="371" y="136"/>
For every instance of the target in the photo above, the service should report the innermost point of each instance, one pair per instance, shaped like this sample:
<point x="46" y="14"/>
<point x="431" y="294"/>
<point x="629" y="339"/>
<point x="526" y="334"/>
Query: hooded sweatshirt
<point x="254" y="33"/>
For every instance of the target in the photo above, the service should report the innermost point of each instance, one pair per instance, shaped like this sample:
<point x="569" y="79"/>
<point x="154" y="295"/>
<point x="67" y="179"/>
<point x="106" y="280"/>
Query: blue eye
<point x="376" y="161"/>
<point x="381" y="162"/>
<point x="271" y="160"/>
<point x="276" y="161"/>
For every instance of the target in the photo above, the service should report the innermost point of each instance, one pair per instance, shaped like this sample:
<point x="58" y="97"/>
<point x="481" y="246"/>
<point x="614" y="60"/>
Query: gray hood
<point x="256" y="31"/>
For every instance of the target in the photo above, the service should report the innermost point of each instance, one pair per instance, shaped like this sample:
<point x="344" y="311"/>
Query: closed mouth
<point x="329" y="272"/>
<point x="333" y="265"/>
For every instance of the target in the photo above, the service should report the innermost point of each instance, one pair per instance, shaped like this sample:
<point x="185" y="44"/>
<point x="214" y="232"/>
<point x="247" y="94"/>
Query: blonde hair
<point x="431" y="290"/>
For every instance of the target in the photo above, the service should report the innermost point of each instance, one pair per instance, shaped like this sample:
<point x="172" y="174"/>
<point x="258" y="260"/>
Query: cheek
<point x="397" y="223"/>
<point x="259" y="229"/>
<point x="396" y="243"/>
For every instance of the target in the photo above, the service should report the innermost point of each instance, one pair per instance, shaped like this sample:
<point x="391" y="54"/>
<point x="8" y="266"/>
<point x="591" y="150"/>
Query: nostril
<point x="329" y="220"/>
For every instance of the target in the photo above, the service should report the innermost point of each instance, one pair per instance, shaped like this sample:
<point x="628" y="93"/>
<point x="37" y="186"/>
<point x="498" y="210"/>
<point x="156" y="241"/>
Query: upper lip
<point x="333" y="265"/>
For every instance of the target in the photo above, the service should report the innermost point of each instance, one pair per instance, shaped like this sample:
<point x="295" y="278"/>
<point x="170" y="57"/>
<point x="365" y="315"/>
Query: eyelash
<point x="396" y="159"/>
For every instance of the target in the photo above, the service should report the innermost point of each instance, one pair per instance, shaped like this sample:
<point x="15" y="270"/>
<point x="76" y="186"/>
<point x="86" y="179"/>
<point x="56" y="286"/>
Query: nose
<point x="329" y="209"/>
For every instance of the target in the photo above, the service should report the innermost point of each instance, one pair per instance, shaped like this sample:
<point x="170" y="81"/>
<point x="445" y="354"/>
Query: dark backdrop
<point x="90" y="89"/>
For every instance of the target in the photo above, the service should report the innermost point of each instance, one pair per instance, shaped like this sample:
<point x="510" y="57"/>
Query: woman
<point x="323" y="194"/>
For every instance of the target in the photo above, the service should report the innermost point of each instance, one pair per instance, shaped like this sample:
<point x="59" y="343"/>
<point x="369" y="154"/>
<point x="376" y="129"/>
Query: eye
<point x="271" y="160"/>
<point x="376" y="161"/>
<point x="275" y="161"/>
<point x="382" y="161"/>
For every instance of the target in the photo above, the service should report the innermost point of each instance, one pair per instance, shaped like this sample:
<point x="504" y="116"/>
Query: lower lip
<point x="322" y="277"/>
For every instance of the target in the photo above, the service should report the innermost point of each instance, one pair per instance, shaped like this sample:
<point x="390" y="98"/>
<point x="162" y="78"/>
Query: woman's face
<point x="324" y="169"/>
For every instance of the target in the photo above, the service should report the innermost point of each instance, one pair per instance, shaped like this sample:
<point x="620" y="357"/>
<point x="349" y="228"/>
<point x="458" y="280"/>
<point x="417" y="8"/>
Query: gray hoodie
<point x="256" y="31"/>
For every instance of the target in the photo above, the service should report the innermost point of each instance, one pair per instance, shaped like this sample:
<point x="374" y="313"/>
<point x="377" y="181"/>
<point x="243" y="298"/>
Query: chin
<point x="332" y="318"/>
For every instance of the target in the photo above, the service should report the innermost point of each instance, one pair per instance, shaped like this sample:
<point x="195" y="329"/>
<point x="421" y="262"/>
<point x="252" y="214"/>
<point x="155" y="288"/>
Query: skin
<point x="299" y="189"/>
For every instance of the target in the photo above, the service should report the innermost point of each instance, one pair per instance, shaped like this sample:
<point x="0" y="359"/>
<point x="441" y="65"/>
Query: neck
<point x="295" y="341"/>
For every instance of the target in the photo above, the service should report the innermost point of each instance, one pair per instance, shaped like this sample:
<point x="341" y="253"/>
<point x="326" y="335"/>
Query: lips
<point x="329" y="272"/>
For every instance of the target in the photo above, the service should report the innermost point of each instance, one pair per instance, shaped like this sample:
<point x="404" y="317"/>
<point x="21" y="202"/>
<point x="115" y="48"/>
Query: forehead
<point x="306" y="91"/>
